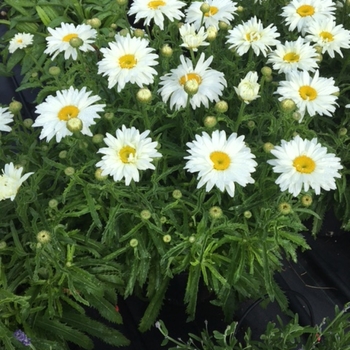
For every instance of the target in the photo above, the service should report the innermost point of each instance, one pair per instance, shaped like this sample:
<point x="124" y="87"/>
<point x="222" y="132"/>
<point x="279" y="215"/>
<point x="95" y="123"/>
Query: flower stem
<point x="240" y="116"/>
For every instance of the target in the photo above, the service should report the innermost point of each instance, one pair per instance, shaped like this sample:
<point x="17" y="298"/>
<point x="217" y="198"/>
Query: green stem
<point x="240" y="116"/>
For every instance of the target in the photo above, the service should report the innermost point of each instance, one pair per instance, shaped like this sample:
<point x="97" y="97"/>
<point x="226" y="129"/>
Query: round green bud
<point x="133" y="242"/>
<point x="221" y="106"/>
<point x="285" y="208"/>
<point x="247" y="214"/>
<point x="122" y="2"/>
<point x="163" y="219"/>
<point x="205" y="8"/>
<point x="240" y="8"/>
<point x="139" y="33"/>
<point x="97" y="138"/>
<point x="44" y="148"/>
<point x="288" y="105"/>
<point x="54" y="71"/>
<point x="109" y="115"/>
<point x="43" y="237"/>
<point x="166" y="51"/>
<point x="268" y="78"/>
<point x="192" y="239"/>
<point x="3" y="245"/>
<point x="215" y="212"/>
<point x="124" y="32"/>
<point x="319" y="58"/>
<point x="74" y="125"/>
<point x="251" y="124"/>
<point x="62" y="154"/>
<point x="28" y="122"/>
<point x="210" y="121"/>
<point x="95" y="23"/>
<point x="99" y="176"/>
<point x="34" y="75"/>
<point x="177" y="194"/>
<point x="342" y="131"/>
<point x="166" y="238"/>
<point x="144" y="95"/>
<point x="69" y="171"/>
<point x="296" y="116"/>
<point x="76" y="42"/>
<point x="145" y="214"/>
<point x="223" y="25"/>
<point x="268" y="147"/>
<point x="266" y="71"/>
<point x="212" y="33"/>
<point x="15" y="107"/>
<point x="306" y="200"/>
<point x="191" y="87"/>
<point x="113" y="26"/>
<point x="53" y="203"/>
<point x="69" y="264"/>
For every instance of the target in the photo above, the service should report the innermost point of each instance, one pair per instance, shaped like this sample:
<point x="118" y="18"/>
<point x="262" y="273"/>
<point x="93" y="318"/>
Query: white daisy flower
<point x="191" y="39"/>
<point x="329" y="36"/>
<point x="347" y="106"/>
<point x="293" y="55"/>
<point x="304" y="164"/>
<point x="210" y="83"/>
<point x="248" y="88"/>
<point x="128" y="60"/>
<point x="6" y="117"/>
<point x="127" y="153"/>
<point x="220" y="162"/>
<point x="60" y="40"/>
<point x="314" y="95"/>
<point x="56" y="112"/>
<point x="252" y="34"/>
<point x="219" y="10"/>
<point x="156" y="10"/>
<point x="300" y="13"/>
<point x="20" y="41"/>
<point x="11" y="180"/>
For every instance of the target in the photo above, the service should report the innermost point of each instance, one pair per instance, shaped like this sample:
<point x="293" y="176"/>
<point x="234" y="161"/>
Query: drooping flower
<point x="301" y="13"/>
<point x="56" y="112"/>
<point x="61" y="38"/>
<point x="20" y="41"/>
<point x="314" y="95"/>
<point x="6" y="117"/>
<point x="11" y="180"/>
<point x="304" y="164"/>
<point x="128" y="60"/>
<point x="156" y="10"/>
<point x="293" y="55"/>
<point x="329" y="36"/>
<point x="219" y="11"/>
<point x="191" y="39"/>
<point x="248" y="88"/>
<point x="220" y="162"/>
<point x="252" y="34"/>
<point x="210" y="83"/>
<point x="127" y="153"/>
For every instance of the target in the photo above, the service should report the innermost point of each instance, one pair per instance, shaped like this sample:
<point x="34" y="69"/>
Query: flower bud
<point x="144" y="95"/>
<point x="139" y="33"/>
<point x="306" y="200"/>
<point x="54" y="71"/>
<point x="3" y="245"/>
<point x="166" y="238"/>
<point x="215" y="212"/>
<point x="191" y="87"/>
<point x="268" y="147"/>
<point x="133" y="242"/>
<point x="205" y="8"/>
<point x="28" y="122"/>
<point x="251" y="124"/>
<point x="62" y="154"/>
<point x="97" y="138"/>
<point x="74" y="125"/>
<point x="248" y="88"/>
<point x="296" y="116"/>
<point x="53" y="203"/>
<point x="212" y="33"/>
<point x="288" y="105"/>
<point x="285" y="208"/>
<point x="240" y="8"/>
<point x="247" y="214"/>
<point x="95" y="23"/>
<point x="109" y="115"/>
<point x="69" y="171"/>
<point x="76" y="42"/>
<point x="342" y="131"/>
<point x="223" y="25"/>
<point x="163" y="219"/>
<point x="43" y="237"/>
<point x="166" y="51"/>
<point x="221" y="106"/>
<point x="122" y="2"/>
<point x="268" y="79"/>
<point x="319" y="58"/>
<point x="113" y="26"/>
<point x="145" y="214"/>
<point x="177" y="194"/>
<point x="318" y="48"/>
<point x="99" y="176"/>
<point x="15" y="107"/>
<point x="34" y="75"/>
<point x="210" y="121"/>
<point x="266" y="71"/>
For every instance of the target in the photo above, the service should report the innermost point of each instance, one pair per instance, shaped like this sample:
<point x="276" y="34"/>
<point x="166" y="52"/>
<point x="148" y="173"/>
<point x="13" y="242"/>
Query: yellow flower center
<point x="304" y="164"/>
<point x="291" y="57"/>
<point x="307" y="92"/>
<point x="212" y="11"/>
<point x="154" y="5"/>
<point x="305" y="10"/>
<point x="220" y="159"/>
<point x="127" y="61"/>
<point x="327" y="36"/>
<point x="67" y="37"/>
<point x="68" y="112"/>
<point x="19" y="41"/>
<point x="190" y="76"/>
<point x="252" y="36"/>
<point x="127" y="154"/>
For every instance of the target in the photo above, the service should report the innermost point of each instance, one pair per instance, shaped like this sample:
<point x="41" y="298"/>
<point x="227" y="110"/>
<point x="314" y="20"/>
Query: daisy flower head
<point x="62" y="38"/>
<point x="20" y="41"/>
<point x="293" y="55"/>
<point x="6" y="117"/>
<point x="210" y="83"/>
<point x="248" y="88"/>
<point x="128" y="60"/>
<point x="304" y="164"/>
<point x="57" y="112"/>
<point x="127" y="153"/>
<point x="11" y="180"/>
<point x="218" y="10"/>
<point x="311" y="94"/>
<point x="220" y="162"/>
<point x="329" y="36"/>
<point x="252" y="34"/>
<point x="300" y="13"/>
<point x="156" y="10"/>
<point x="191" y="39"/>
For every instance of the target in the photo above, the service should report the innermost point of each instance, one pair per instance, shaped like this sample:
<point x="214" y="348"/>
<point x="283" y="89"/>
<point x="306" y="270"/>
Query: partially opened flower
<point x="329" y="36"/>
<point x="20" y="41"/>
<point x="312" y="94"/>
<point x="156" y="10"/>
<point x="62" y="40"/>
<point x="192" y="39"/>
<point x="128" y="60"/>
<point x="220" y="162"/>
<point x="6" y="117"/>
<point x="210" y="83"/>
<point x="301" y="13"/>
<point x="127" y="153"/>
<point x="293" y="55"/>
<point x="218" y="11"/>
<point x="56" y="112"/>
<point x="304" y="164"/>
<point x="11" y="180"/>
<point x="248" y="88"/>
<point x="252" y="34"/>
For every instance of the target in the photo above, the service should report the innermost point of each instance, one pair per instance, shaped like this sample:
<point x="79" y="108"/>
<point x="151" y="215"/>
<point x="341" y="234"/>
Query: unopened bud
<point x="342" y="131"/>
<point x="99" y="176"/>
<point x="122" y="2"/>
<point x="133" y="242"/>
<point x="268" y="147"/>
<point x="296" y="116"/>
<point x="177" y="194"/>
<point x="109" y="115"/>
<point x="266" y="71"/>
<point x="69" y="171"/>
<point x="223" y="25"/>
<point x="306" y="200"/>
<point x="288" y="105"/>
<point x="43" y="237"/>
<point x="95" y="23"/>
<point x="166" y="51"/>
<point x="191" y="87"/>
<point x="144" y="95"/>
<point x="251" y="124"/>
<point x="221" y="106"/>
<point x="76" y="42"/>
<point x="205" y="8"/>
<point x="74" y="125"/>
<point x="28" y="122"/>
<point x="285" y="208"/>
<point x="53" y="203"/>
<point x="212" y="33"/>
<point x="145" y="214"/>
<point x="139" y="33"/>
<point x="166" y="238"/>
<point x="240" y="8"/>
<point x="3" y="245"/>
<point x="62" y="154"/>
<point x="54" y="70"/>
<point x="15" y="107"/>
<point x="215" y="212"/>
<point x="247" y="214"/>
<point x="97" y="138"/>
<point x="210" y="121"/>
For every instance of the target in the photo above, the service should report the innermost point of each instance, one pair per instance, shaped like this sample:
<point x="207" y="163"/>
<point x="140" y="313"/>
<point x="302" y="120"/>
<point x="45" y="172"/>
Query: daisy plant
<point x="162" y="139"/>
